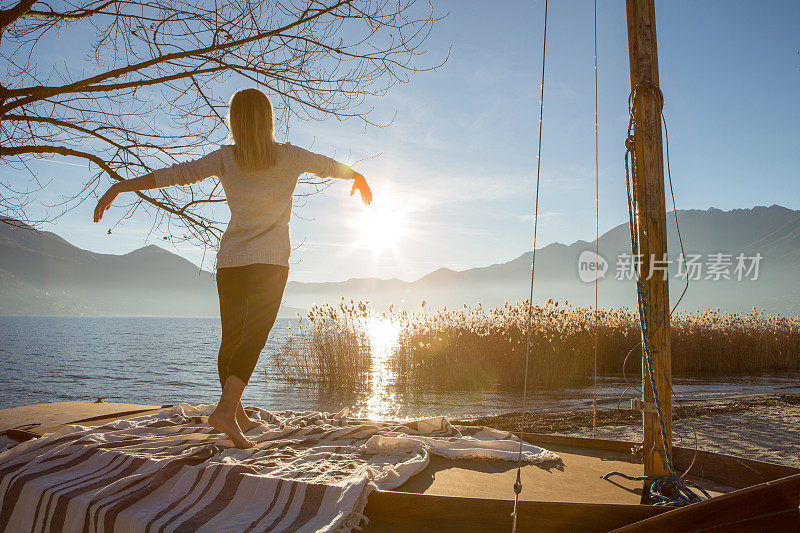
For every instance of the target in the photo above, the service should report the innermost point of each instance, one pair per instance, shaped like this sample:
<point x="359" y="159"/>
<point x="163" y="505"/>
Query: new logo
<point x="591" y="266"/>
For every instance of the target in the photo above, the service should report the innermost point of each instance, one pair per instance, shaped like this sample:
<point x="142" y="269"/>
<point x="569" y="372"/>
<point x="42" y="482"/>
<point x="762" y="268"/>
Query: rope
<point x="523" y="418"/>
<point x="596" y="224"/>
<point x="628" y="384"/>
<point x="668" y="490"/>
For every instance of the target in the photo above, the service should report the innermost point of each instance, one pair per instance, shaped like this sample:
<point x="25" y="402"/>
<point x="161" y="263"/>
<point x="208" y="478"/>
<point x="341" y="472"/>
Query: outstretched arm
<point x="148" y="181"/>
<point x="178" y="174"/>
<point x="325" y="167"/>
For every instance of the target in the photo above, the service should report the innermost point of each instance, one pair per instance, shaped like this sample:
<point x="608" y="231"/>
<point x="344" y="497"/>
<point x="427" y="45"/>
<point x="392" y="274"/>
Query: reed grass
<point x="329" y="346"/>
<point x="475" y="347"/>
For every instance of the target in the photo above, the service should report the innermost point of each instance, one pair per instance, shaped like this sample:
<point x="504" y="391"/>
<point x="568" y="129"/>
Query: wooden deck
<point x="476" y="495"/>
<point x="576" y="479"/>
<point x="45" y="418"/>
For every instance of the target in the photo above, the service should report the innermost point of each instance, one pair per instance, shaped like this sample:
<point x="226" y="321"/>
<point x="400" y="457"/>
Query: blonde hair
<point x="252" y="129"/>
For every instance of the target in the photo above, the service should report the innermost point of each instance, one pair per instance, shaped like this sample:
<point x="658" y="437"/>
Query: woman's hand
<point x="105" y="202"/>
<point x="360" y="184"/>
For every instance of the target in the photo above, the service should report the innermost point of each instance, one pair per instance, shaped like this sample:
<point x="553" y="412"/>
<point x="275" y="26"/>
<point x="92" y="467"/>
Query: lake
<point x="153" y="360"/>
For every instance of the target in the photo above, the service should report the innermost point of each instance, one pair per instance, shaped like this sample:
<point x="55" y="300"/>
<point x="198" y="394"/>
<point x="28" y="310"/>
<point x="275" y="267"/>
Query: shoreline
<point x="761" y="427"/>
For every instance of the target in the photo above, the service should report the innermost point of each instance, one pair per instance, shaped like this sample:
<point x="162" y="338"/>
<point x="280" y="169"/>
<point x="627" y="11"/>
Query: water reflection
<point x="47" y="359"/>
<point x="382" y="402"/>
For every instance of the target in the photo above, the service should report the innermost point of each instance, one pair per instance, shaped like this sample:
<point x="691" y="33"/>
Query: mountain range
<point x="41" y="273"/>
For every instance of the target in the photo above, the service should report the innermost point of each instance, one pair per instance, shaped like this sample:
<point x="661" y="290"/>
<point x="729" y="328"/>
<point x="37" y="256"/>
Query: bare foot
<point x="231" y="428"/>
<point x="246" y="423"/>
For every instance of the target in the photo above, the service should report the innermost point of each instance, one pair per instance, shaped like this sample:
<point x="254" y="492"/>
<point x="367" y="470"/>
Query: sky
<point x="453" y="175"/>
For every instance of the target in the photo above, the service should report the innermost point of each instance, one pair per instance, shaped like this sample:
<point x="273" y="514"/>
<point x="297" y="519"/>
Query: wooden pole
<point x="651" y="217"/>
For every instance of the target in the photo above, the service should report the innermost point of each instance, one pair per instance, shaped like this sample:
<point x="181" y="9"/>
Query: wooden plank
<point x="19" y="435"/>
<point x="120" y="414"/>
<point x="576" y="479"/>
<point x="786" y="522"/>
<point x="477" y="513"/>
<point x="44" y="417"/>
<point x="736" y="472"/>
<point x="619" y="446"/>
<point x="760" y="500"/>
<point x="651" y="217"/>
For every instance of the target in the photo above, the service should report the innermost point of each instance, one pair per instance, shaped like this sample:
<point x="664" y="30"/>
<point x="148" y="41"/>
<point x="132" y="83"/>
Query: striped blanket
<point x="170" y="471"/>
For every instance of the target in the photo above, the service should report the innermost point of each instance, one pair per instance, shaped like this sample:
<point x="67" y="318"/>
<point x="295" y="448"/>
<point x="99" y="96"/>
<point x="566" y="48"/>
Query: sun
<point x="380" y="227"/>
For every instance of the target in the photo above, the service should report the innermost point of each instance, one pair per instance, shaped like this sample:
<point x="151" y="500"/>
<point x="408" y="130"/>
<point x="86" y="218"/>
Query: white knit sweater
<point x="260" y="201"/>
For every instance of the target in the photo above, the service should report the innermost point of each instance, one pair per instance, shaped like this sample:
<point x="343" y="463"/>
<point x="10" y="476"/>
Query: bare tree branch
<point x="156" y="75"/>
<point x="75" y="14"/>
<point x="9" y="16"/>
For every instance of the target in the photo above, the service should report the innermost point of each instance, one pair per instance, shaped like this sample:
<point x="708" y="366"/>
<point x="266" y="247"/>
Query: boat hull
<point x="568" y="496"/>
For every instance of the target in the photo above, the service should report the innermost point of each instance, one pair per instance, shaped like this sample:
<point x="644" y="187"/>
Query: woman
<point x="259" y="176"/>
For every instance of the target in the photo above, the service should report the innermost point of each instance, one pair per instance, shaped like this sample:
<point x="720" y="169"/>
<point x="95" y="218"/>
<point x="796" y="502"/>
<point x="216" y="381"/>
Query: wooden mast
<point x="651" y="217"/>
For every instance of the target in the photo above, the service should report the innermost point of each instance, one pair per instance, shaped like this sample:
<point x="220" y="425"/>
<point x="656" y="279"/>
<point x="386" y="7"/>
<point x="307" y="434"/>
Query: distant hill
<point x="774" y="232"/>
<point x="41" y="273"/>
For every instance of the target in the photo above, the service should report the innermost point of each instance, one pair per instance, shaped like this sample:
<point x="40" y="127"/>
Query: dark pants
<point x="249" y="299"/>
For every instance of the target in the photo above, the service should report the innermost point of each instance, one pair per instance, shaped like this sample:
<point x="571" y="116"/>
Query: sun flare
<point x="380" y="227"/>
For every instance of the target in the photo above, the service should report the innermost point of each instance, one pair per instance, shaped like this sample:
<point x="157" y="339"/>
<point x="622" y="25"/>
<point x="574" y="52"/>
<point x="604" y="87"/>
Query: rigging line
<point x="628" y="384"/>
<point x="685" y="287"/>
<point x="680" y="242"/>
<point x="523" y="418"/>
<point x="596" y="225"/>
<point x="642" y="293"/>
<point x="674" y="211"/>
<point x="669" y="490"/>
